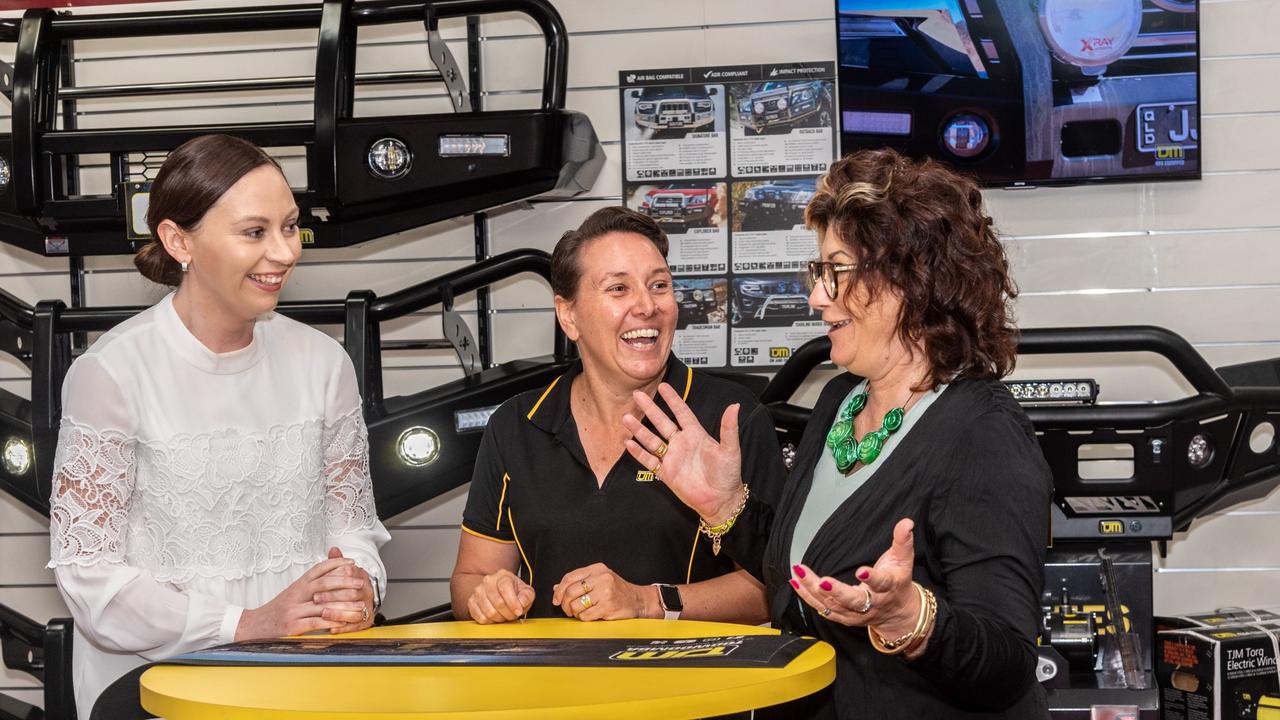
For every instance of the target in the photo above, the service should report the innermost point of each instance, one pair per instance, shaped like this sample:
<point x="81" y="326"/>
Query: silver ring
<point x="867" y="605"/>
<point x="826" y="611"/>
<point x="364" y="613"/>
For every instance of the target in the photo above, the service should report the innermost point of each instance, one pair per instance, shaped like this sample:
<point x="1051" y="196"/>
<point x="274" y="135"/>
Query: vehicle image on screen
<point x="675" y="109"/>
<point x="1101" y="91"/>
<point x="775" y="205"/>
<point x="680" y="207"/>
<point x="768" y="300"/>
<point x="701" y="301"/>
<point x="780" y="106"/>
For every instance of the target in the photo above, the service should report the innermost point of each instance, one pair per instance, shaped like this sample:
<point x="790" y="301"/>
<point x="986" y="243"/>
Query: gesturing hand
<point x="353" y="608"/>
<point x="597" y="593"/>
<point x="885" y="599"/>
<point x="294" y="611"/>
<point x="500" y="597"/>
<point x="706" y="475"/>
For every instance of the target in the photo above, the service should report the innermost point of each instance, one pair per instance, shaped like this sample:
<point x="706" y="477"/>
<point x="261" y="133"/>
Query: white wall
<point x="1197" y="257"/>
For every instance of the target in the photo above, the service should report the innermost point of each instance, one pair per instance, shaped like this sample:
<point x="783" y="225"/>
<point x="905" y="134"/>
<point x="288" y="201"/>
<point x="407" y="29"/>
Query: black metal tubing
<point x="216" y="86"/>
<point x="1214" y="396"/>
<point x="370" y="12"/>
<point x="117" y="140"/>
<point x="335" y="76"/>
<point x="1127" y="338"/>
<point x="327" y="312"/>
<point x="32" y="110"/>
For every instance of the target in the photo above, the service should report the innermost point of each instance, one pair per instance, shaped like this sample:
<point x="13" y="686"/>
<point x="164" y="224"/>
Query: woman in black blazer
<point x="911" y="534"/>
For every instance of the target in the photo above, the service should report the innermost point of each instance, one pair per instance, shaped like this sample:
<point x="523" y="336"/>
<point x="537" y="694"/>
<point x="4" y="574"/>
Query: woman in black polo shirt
<point x="560" y="520"/>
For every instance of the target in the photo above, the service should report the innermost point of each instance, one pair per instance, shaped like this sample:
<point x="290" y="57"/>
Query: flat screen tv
<point x="1025" y="92"/>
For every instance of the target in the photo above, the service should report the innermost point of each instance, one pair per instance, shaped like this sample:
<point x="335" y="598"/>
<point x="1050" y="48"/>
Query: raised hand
<point x="597" y="593"/>
<point x="500" y="597"/>
<point x="294" y="611"/>
<point x="885" y="599"/>
<point x="353" y="608"/>
<point x="706" y="475"/>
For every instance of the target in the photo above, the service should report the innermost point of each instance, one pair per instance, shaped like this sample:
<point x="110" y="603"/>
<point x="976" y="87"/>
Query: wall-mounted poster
<point x="725" y="160"/>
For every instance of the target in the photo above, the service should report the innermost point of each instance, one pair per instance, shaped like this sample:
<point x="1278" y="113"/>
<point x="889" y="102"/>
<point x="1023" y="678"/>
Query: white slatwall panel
<point x="1197" y="257"/>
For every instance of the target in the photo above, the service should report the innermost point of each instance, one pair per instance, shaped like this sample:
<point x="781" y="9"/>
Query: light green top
<point x="831" y="487"/>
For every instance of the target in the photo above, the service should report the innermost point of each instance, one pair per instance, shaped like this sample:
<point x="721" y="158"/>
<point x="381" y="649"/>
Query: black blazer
<point x="971" y="475"/>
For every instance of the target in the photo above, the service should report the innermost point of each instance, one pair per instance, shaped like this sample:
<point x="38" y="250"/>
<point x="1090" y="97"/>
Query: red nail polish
<point x="825" y="585"/>
<point x="794" y="584"/>
<point x="799" y="570"/>
<point x="864" y="574"/>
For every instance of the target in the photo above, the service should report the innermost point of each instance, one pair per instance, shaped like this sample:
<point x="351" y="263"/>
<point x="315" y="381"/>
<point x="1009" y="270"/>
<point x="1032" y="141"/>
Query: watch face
<point x="670" y="598"/>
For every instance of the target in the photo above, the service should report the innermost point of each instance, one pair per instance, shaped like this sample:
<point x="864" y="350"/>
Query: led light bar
<point x="475" y="145"/>
<point x="1081" y="392"/>
<point x="473" y="419"/>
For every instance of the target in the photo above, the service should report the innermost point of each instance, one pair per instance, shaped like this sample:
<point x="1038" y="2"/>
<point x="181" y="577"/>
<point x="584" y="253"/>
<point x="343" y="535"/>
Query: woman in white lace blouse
<point x="212" y="476"/>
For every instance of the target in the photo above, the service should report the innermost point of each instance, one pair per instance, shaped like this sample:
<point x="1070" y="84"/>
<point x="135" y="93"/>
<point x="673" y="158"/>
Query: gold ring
<point x="586" y="601"/>
<point x="866" y="605"/>
<point x="657" y="467"/>
<point x="661" y="452"/>
<point x="364" y="613"/>
<point x="586" y="586"/>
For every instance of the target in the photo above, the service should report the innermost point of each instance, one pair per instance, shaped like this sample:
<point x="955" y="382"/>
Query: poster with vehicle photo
<point x="783" y="121"/>
<point x="738" y="242"/>
<point x="672" y="126"/>
<point x="695" y="216"/>
<point x="702" y="330"/>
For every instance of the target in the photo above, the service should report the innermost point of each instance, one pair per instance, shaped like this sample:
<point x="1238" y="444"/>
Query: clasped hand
<point x="334" y="595"/>
<point x="591" y="593"/>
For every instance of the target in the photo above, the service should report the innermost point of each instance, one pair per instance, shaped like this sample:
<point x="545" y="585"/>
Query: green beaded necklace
<point x="849" y="452"/>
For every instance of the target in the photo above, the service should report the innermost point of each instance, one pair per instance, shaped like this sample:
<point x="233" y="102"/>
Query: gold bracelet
<point x="717" y="532"/>
<point x="899" y="645"/>
<point x="923" y="637"/>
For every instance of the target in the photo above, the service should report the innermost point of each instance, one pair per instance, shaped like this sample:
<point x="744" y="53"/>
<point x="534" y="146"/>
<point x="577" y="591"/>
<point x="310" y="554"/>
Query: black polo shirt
<point x="534" y="487"/>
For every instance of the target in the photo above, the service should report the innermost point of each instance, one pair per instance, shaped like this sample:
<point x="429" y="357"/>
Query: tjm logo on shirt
<point x="645" y="476"/>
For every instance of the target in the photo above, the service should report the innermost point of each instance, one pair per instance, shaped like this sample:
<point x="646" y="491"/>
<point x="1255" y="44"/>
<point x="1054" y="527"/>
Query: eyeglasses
<point x="827" y="273"/>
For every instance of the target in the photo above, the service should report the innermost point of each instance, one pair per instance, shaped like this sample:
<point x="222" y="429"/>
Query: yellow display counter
<point x="180" y="692"/>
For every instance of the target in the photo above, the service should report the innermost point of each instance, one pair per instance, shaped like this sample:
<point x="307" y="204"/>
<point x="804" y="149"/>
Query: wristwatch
<point x="669" y="598"/>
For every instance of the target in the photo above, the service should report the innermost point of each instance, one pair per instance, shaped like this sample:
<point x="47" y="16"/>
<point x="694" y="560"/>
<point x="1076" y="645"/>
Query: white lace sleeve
<point x="90" y="502"/>
<point x="351" y="518"/>
<point x="118" y="607"/>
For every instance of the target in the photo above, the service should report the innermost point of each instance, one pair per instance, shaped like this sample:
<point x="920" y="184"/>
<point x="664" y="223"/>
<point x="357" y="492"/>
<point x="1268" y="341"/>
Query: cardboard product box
<point x="1217" y="618"/>
<point x="1217" y="673"/>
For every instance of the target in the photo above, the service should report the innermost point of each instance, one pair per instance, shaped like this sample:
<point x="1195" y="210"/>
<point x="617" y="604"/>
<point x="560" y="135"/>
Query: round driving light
<point x="679" y="296"/>
<point x="6" y="173"/>
<point x="1090" y="34"/>
<point x="966" y="135"/>
<point x="782" y="104"/>
<point x="389" y="159"/>
<point x="697" y="296"/>
<point x="759" y="107"/>
<point x="1200" y="450"/>
<point x="17" y="456"/>
<point x="418" y="446"/>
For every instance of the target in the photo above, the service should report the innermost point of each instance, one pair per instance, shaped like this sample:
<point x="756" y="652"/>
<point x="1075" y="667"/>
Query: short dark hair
<point x="190" y="181"/>
<point x="565" y="270"/>
<point x="920" y="228"/>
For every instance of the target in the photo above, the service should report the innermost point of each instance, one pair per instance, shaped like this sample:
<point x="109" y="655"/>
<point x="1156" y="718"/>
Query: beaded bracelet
<point x="718" y="531"/>
<point x="899" y="645"/>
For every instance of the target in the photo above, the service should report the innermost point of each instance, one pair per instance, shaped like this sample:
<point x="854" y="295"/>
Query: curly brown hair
<point x="920" y="229"/>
